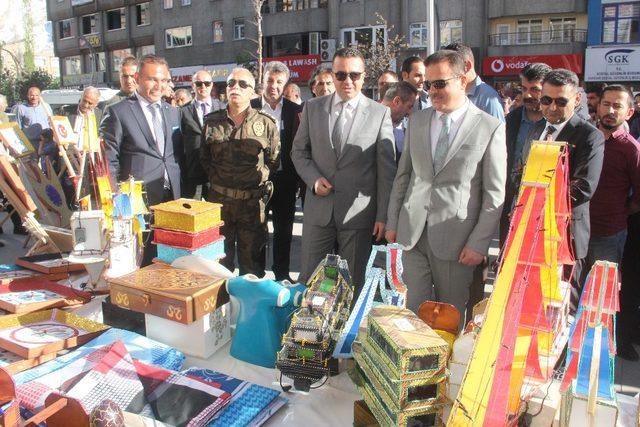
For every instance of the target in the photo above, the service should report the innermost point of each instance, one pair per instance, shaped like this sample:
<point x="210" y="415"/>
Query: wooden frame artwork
<point x="43" y="332"/>
<point x="15" y="140"/>
<point x="25" y="296"/>
<point x="49" y="263"/>
<point x="63" y="132"/>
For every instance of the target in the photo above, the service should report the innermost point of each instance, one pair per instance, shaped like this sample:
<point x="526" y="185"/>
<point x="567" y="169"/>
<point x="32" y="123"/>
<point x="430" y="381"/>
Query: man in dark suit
<point x="519" y="122"/>
<point x="142" y="137"/>
<point x="193" y="175"/>
<point x="560" y="96"/>
<point x="285" y="180"/>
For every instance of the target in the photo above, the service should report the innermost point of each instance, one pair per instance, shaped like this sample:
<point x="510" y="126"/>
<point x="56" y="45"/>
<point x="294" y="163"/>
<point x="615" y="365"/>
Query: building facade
<point x="613" y="52"/>
<point x="91" y="37"/>
<point x="524" y="31"/>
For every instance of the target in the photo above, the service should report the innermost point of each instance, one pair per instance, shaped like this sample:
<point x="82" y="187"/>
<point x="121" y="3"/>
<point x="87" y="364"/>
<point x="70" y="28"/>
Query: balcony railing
<point x="567" y="35"/>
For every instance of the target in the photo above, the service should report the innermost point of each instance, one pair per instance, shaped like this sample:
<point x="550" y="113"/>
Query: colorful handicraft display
<point x="310" y="340"/>
<point x="510" y="360"/>
<point x="392" y="290"/>
<point x="43" y="332"/>
<point x="186" y="227"/>
<point x="15" y="140"/>
<point x="588" y="385"/>
<point x="402" y="368"/>
<point x="179" y="295"/>
<point x="258" y="336"/>
<point x="31" y="295"/>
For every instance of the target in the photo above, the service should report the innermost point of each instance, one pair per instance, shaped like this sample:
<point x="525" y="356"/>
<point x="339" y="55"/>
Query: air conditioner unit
<point x="327" y="49"/>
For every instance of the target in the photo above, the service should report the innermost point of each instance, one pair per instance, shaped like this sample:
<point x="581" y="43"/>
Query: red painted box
<point x="184" y="240"/>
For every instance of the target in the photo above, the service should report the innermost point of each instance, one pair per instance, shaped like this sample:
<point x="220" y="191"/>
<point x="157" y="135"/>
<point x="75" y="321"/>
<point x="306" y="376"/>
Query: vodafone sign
<point x="512" y="65"/>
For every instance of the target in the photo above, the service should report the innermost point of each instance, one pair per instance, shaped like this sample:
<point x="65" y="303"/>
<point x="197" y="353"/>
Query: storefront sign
<point x="83" y="79"/>
<point x="615" y="63"/>
<point x="80" y="2"/>
<point x="512" y="65"/>
<point x="181" y="76"/>
<point x="89" y="40"/>
<point x="300" y="66"/>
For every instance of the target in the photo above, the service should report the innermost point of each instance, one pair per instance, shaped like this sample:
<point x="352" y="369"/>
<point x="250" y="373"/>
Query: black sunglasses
<point x="200" y="84"/>
<point x="438" y="84"/>
<point x="242" y="83"/>
<point x="560" y="102"/>
<point x="342" y="75"/>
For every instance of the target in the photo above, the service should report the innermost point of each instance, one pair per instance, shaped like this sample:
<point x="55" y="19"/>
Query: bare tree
<point x="379" y="56"/>
<point x="257" y="21"/>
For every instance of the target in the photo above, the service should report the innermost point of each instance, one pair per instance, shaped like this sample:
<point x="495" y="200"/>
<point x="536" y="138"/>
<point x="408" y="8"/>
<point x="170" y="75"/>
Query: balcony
<point x="538" y="37"/>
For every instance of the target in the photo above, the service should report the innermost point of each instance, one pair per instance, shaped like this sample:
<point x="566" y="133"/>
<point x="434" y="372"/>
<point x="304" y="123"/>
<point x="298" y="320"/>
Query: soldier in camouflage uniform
<point x="240" y="147"/>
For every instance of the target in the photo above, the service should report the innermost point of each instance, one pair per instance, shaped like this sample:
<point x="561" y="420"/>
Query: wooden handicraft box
<point x="213" y="251"/>
<point x="184" y="240"/>
<point x="179" y="295"/>
<point x="191" y="216"/>
<point x="34" y="334"/>
<point x="49" y="263"/>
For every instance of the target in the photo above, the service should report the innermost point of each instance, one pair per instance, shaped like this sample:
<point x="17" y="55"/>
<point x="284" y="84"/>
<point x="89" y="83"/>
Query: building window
<point x="116" y="19"/>
<point x="89" y="59"/>
<point x="621" y="23"/>
<point x="418" y="34"/>
<point x="145" y="50"/>
<point x="178" y="37"/>
<point x="186" y="2"/>
<point x="217" y="32"/>
<point x="364" y="36"/>
<point x="529" y="31"/>
<point x="562" y="30"/>
<point x="450" y="32"/>
<point x="64" y="29"/>
<point x="89" y="24"/>
<point x="117" y="56"/>
<point x="503" y="36"/>
<point x="289" y="5"/>
<point x="72" y="65"/>
<point x="167" y="4"/>
<point x="238" y="28"/>
<point x="143" y="14"/>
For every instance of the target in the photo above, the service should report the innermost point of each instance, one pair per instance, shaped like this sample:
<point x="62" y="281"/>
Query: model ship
<point x="308" y="344"/>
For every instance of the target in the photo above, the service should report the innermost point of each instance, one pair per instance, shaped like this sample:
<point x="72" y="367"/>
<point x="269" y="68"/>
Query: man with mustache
<point x="518" y="124"/>
<point x="617" y="196"/>
<point x="127" y="78"/>
<point x="560" y="97"/>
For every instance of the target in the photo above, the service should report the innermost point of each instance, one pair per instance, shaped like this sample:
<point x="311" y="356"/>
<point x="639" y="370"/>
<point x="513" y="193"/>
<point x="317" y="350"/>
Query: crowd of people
<point x="434" y="164"/>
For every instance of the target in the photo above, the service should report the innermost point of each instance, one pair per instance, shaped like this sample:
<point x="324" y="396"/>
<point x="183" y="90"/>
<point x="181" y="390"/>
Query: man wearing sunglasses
<point x="448" y="192"/>
<point x="192" y="121"/>
<point x="282" y="205"/>
<point x="240" y="149"/>
<point x="344" y="153"/>
<point x="560" y="96"/>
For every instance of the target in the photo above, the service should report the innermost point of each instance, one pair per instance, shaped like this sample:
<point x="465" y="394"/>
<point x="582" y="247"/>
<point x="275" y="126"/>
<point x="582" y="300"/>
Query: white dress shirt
<point x="456" y="120"/>
<point x="207" y="102"/>
<point x="144" y="104"/>
<point x="275" y="113"/>
<point x="555" y="134"/>
<point x="350" y="112"/>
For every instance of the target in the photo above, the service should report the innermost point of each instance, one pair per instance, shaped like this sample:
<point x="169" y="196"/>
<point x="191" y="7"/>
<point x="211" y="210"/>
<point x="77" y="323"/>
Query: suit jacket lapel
<point x="327" y="108"/>
<point x="168" y="148"/>
<point x="469" y="121"/>
<point x="359" y="118"/>
<point x="568" y="130"/>
<point x="142" y="122"/>
<point x="425" y="145"/>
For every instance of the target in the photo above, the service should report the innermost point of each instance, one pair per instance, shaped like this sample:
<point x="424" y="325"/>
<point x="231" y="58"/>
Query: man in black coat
<point x="559" y="99"/>
<point x="193" y="175"/>
<point x="285" y="180"/>
<point x="142" y="138"/>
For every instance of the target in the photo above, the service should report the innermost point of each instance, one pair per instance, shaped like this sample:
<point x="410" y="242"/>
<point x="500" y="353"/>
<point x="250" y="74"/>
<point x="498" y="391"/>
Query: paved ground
<point x="627" y="375"/>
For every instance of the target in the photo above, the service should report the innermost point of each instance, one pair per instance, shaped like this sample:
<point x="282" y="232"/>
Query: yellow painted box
<point x="187" y="215"/>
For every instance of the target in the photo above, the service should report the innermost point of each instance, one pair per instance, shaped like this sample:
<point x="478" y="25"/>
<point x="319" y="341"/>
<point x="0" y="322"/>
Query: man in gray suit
<point x="448" y="193"/>
<point x="142" y="137"/>
<point x="343" y="151"/>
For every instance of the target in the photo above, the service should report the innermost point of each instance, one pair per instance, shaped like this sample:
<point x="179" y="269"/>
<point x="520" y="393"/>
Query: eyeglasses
<point x="200" y="84"/>
<point x="342" y="75"/>
<point x="242" y="83"/>
<point x="560" y="102"/>
<point x="438" y="84"/>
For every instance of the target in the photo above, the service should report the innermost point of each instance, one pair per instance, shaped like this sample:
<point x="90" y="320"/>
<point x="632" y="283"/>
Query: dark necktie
<point x="338" y="129"/>
<point x="203" y="106"/>
<point x="158" y="130"/>
<point x="549" y="135"/>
